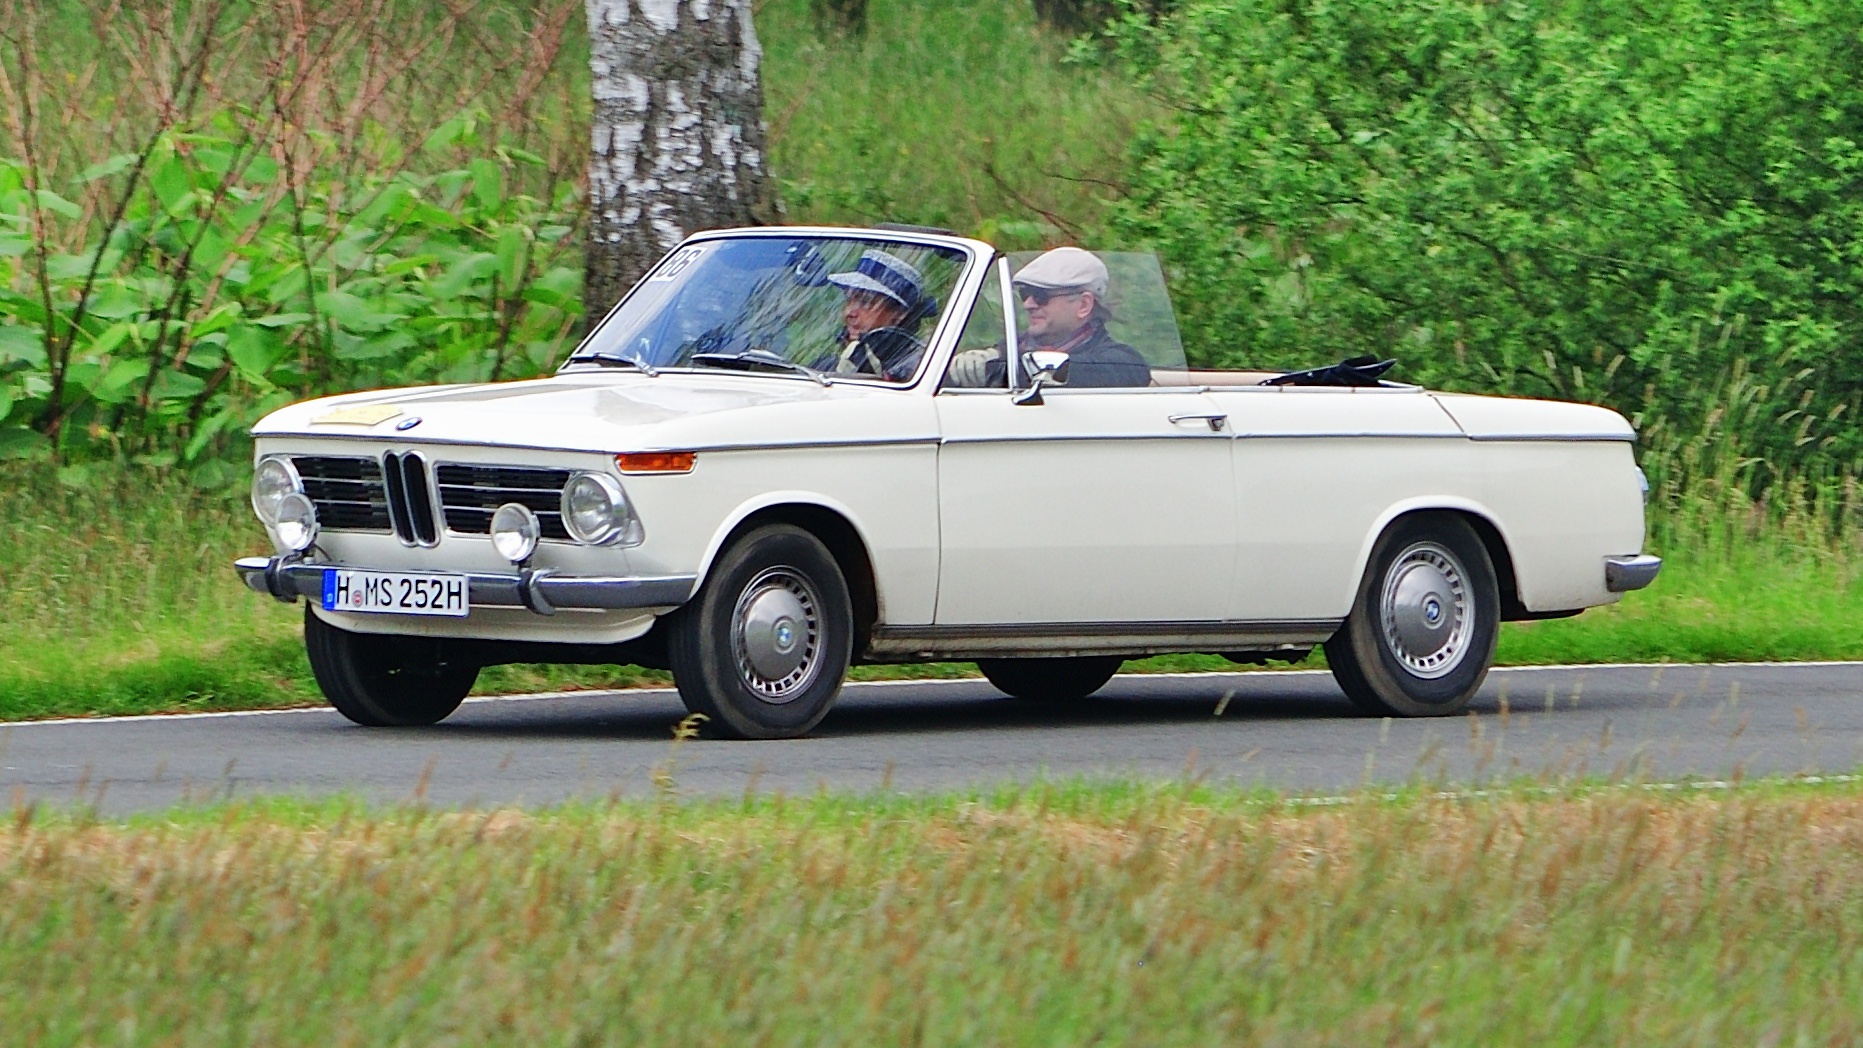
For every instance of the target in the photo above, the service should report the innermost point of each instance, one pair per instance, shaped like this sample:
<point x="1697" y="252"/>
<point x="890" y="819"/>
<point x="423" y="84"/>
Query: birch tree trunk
<point x="678" y="135"/>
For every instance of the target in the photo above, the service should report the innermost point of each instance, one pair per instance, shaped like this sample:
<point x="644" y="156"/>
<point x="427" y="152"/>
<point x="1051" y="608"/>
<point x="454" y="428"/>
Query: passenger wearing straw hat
<point x="1063" y="295"/>
<point x="886" y="303"/>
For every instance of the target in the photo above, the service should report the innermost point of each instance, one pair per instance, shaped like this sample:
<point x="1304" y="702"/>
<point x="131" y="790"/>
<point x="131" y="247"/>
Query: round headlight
<point x="515" y="532"/>
<point x="271" y="482"/>
<point x="297" y="522"/>
<point x="595" y="510"/>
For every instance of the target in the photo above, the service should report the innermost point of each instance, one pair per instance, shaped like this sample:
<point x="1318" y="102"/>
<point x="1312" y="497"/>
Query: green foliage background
<point x="1651" y="204"/>
<point x="210" y="302"/>
<point x="398" y="199"/>
<point x="386" y="194"/>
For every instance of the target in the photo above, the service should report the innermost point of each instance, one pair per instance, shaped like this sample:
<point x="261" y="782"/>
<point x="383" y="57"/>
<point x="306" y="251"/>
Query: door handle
<point x="1215" y="422"/>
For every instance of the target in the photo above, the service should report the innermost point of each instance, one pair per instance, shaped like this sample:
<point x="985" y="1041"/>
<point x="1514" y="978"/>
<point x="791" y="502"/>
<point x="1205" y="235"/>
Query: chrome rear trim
<point x="1623" y="574"/>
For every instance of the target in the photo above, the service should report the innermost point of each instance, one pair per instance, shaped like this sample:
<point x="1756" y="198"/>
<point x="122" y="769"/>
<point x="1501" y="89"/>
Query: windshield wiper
<point x="610" y="360"/>
<point x="752" y="358"/>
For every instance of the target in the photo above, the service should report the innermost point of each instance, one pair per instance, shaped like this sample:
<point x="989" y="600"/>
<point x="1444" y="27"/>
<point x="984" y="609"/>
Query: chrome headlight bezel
<point x="515" y="532"/>
<point x="296" y="526"/>
<point x="273" y="479"/>
<point x="596" y="511"/>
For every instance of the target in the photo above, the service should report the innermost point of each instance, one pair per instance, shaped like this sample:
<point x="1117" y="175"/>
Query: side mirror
<point x="1042" y="366"/>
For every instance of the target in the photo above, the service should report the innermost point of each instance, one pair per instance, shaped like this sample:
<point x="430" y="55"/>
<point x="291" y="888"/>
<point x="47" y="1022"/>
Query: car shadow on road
<point x="999" y="713"/>
<point x="896" y="710"/>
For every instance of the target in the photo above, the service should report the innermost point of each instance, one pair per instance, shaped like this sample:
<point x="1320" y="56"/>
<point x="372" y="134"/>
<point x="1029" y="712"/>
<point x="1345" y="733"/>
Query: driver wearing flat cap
<point x="1063" y="293"/>
<point x="886" y="303"/>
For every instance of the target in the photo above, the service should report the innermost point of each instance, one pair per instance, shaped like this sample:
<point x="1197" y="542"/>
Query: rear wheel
<point x="1422" y="631"/>
<point x="762" y="650"/>
<point x="385" y="681"/>
<point x="1051" y="680"/>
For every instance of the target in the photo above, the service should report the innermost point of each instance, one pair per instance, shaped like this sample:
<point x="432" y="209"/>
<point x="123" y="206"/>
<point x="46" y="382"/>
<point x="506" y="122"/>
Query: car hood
<point x="598" y="412"/>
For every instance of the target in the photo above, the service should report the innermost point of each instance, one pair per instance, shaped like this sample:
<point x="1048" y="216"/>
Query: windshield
<point x="817" y="305"/>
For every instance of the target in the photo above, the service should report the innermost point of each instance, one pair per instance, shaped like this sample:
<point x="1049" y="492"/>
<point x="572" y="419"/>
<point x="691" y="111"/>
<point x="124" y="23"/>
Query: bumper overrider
<point x="539" y="590"/>
<point x="1623" y="574"/>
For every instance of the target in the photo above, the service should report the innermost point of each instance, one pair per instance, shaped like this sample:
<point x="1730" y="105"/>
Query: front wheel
<point x="762" y="650"/>
<point x="385" y="681"/>
<point x="1053" y="679"/>
<point x="1422" y="631"/>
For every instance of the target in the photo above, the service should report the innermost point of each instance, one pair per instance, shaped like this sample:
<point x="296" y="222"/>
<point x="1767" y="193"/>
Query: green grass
<point x="1056" y="914"/>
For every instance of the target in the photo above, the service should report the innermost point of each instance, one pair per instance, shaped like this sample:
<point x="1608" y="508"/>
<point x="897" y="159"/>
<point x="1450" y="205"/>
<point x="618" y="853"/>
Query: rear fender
<point x="1505" y="572"/>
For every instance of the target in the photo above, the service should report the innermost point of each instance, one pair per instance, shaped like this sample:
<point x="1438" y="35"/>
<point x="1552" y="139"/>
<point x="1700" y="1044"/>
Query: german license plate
<point x="394" y="592"/>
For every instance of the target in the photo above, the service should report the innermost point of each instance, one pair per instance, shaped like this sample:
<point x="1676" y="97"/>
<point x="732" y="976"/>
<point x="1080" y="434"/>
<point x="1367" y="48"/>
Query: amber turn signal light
<point x="656" y="461"/>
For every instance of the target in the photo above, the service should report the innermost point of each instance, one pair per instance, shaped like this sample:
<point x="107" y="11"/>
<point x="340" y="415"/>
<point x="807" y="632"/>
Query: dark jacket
<point x="1101" y="360"/>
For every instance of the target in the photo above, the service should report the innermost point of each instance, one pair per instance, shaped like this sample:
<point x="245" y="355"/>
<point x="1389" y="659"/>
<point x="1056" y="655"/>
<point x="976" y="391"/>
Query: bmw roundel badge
<point x="406" y="424"/>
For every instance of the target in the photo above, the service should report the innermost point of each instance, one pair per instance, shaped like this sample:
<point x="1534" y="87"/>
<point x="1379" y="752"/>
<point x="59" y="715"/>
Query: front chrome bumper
<point x="1623" y="574"/>
<point x="540" y="591"/>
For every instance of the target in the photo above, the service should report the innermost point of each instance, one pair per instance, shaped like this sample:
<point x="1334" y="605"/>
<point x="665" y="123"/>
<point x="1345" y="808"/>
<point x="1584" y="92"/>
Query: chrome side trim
<point x="1042" y="438"/>
<point x="1308" y="391"/>
<point x="787" y="445"/>
<point x="529" y="589"/>
<point x="1578" y="438"/>
<point x="1091" y="638"/>
<point x="1360" y="434"/>
<point x="1623" y="574"/>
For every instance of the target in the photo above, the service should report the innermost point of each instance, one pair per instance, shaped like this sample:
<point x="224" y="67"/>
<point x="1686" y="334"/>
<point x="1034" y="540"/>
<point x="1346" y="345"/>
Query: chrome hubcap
<point x="1425" y="612"/>
<point x="776" y="635"/>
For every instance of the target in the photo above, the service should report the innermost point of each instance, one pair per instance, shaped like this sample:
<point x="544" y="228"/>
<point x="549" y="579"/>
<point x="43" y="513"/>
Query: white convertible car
<point x="792" y="449"/>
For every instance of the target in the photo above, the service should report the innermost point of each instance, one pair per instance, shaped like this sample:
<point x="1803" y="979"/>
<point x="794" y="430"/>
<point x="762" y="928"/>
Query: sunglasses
<point x="1040" y="295"/>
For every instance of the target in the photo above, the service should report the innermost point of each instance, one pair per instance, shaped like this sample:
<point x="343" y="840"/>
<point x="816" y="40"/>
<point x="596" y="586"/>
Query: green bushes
<point x="208" y="210"/>
<point x="1653" y="204"/>
<point x="365" y="192"/>
<point x="221" y="292"/>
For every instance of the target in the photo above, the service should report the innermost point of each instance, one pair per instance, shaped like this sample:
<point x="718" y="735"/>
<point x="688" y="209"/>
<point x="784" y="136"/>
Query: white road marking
<point x="535" y="696"/>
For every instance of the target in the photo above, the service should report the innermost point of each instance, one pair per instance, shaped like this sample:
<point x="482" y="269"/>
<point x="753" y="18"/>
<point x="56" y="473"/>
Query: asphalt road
<point x="1289" y="730"/>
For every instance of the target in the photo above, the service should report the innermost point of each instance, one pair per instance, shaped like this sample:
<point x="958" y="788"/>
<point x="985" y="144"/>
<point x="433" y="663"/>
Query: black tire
<point x="1395" y="656"/>
<point x="383" y="681"/>
<point x="1051" y="680"/>
<point x="732" y="659"/>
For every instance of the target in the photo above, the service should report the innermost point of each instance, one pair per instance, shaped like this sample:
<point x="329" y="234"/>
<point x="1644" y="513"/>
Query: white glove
<point x="970" y="369"/>
<point x="847" y="364"/>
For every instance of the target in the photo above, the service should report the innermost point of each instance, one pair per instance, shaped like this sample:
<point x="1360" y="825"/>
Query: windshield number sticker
<point x="678" y="264"/>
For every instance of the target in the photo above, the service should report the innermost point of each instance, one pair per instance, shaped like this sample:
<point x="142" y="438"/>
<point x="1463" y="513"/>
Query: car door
<point x="1093" y="506"/>
<point x="1316" y="469"/>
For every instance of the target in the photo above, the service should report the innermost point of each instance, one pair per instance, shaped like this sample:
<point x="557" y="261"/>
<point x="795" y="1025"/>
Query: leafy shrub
<point x="223" y="290"/>
<point x="1653" y="204"/>
<point x="210" y="208"/>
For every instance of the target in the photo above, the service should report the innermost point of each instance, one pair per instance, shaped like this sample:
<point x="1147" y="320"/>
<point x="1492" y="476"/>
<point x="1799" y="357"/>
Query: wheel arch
<point x="1487" y="528"/>
<point x="831" y="523"/>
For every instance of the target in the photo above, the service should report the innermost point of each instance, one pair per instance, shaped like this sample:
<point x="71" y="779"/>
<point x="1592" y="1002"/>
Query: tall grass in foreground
<point x="1055" y="915"/>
